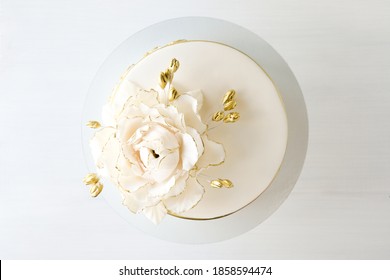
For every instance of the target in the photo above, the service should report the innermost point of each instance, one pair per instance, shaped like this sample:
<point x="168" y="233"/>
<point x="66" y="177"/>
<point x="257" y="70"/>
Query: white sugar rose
<point x="152" y="151"/>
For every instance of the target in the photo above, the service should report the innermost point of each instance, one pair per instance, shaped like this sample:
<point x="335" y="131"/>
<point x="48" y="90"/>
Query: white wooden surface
<point x="339" y="51"/>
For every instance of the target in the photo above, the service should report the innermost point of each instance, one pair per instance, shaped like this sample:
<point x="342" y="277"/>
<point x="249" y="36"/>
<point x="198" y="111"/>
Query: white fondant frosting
<point x="260" y="134"/>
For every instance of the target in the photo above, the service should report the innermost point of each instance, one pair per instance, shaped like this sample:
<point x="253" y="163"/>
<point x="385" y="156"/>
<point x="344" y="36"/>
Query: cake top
<point x="163" y="145"/>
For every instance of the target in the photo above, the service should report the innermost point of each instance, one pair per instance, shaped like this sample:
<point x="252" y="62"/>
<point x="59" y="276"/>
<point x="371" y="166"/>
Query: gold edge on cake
<point x="167" y="45"/>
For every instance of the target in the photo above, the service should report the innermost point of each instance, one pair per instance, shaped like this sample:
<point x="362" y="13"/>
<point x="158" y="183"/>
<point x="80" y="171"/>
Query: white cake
<point x="254" y="146"/>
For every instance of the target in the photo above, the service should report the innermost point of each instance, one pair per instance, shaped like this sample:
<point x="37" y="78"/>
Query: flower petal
<point x="197" y="138"/>
<point x="162" y="188"/>
<point x="132" y="111"/>
<point x="127" y="127"/>
<point x="180" y="184"/>
<point x="155" y="213"/>
<point x="172" y="117"/>
<point x="214" y="154"/>
<point x="105" y="149"/>
<point x="162" y="135"/>
<point x="122" y="96"/>
<point x="189" y="151"/>
<point x="137" y="201"/>
<point x="108" y="115"/>
<point x="128" y="94"/>
<point x="165" y="167"/>
<point x="191" y="195"/>
<point x="127" y="168"/>
<point x="131" y="183"/>
<point x="198" y="95"/>
<point x="122" y="93"/>
<point x="147" y="97"/>
<point x="188" y="106"/>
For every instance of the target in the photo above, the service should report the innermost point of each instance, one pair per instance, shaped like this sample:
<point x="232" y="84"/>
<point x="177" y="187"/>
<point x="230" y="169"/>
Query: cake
<point x="181" y="134"/>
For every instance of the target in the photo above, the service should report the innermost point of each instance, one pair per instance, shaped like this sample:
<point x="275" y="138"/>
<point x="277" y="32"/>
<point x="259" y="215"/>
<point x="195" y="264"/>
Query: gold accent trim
<point x="151" y="51"/>
<point x="177" y="42"/>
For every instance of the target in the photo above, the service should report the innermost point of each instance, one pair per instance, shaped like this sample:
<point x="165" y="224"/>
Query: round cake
<point x="250" y="132"/>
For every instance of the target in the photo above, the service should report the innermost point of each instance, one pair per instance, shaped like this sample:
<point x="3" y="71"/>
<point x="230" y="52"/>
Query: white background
<point x="340" y="54"/>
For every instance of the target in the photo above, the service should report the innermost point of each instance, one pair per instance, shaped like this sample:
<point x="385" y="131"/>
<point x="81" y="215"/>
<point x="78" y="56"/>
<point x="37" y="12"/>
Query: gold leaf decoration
<point x="229" y="96"/>
<point x="219" y="183"/>
<point x="174" y="65"/>
<point x="231" y="117"/>
<point x="230" y="105"/>
<point x="216" y="184"/>
<point x="91" y="179"/>
<point x="218" y="116"/>
<point x="173" y="94"/>
<point x="163" y="80"/>
<point x="93" y="124"/>
<point x="226" y="183"/>
<point x="96" y="189"/>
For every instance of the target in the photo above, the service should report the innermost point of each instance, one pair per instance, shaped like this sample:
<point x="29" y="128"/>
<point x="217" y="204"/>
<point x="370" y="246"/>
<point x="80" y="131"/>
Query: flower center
<point x="155" y="155"/>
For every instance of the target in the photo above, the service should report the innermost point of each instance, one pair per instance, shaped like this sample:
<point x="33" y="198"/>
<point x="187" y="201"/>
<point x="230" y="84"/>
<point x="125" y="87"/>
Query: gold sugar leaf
<point x="231" y="117"/>
<point x="174" y="65"/>
<point x="173" y="94"/>
<point x="91" y="179"/>
<point x="219" y="183"/>
<point x="229" y="96"/>
<point x="163" y="80"/>
<point x="96" y="189"/>
<point x="218" y="116"/>
<point x="93" y="124"/>
<point x="216" y="184"/>
<point x="169" y="75"/>
<point x="226" y="183"/>
<point x="230" y="105"/>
